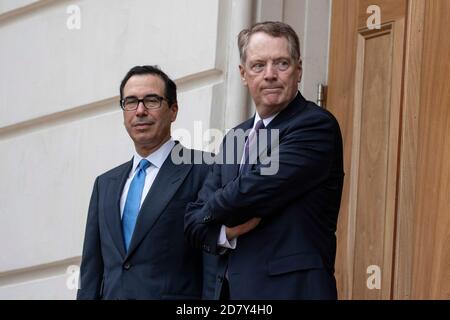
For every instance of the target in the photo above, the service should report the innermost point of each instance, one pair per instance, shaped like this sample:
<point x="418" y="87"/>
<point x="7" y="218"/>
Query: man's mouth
<point x="142" y="125"/>
<point x="270" y="90"/>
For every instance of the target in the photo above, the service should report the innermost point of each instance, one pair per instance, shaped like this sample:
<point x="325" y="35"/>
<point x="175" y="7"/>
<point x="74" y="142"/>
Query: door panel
<point x="389" y="88"/>
<point x="372" y="103"/>
<point x="431" y="255"/>
<point x="376" y="144"/>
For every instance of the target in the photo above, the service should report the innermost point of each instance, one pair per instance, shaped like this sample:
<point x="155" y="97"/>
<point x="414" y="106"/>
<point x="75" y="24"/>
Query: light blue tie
<point x="133" y="202"/>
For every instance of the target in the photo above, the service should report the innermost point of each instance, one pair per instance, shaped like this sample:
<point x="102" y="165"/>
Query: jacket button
<point x="220" y="278"/>
<point x="127" y="266"/>
<point x="206" y="248"/>
<point x="207" y="219"/>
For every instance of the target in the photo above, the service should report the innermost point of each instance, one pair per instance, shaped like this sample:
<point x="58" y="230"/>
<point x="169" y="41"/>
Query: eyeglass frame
<point x="153" y="95"/>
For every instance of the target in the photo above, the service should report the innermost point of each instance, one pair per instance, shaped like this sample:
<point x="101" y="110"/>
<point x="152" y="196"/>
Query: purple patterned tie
<point x="250" y="147"/>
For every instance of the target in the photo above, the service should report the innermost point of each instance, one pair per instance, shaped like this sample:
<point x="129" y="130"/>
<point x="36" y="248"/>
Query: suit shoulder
<point x="115" y="171"/>
<point x="317" y="115"/>
<point x="201" y="153"/>
<point x="197" y="156"/>
<point x="198" y="159"/>
<point x="247" y="124"/>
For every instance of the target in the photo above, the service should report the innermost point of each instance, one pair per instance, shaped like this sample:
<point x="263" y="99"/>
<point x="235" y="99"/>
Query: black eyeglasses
<point x="151" y="101"/>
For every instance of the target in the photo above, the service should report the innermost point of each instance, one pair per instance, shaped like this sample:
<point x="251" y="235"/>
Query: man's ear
<point x="174" y="109"/>
<point x="300" y="73"/>
<point x="242" y="72"/>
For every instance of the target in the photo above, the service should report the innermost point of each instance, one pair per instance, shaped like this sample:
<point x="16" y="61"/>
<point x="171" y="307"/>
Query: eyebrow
<point x="146" y="96"/>
<point x="264" y="60"/>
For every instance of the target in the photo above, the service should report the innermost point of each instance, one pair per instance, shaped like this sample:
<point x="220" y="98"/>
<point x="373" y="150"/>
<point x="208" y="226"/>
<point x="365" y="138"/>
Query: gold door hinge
<point x="321" y="95"/>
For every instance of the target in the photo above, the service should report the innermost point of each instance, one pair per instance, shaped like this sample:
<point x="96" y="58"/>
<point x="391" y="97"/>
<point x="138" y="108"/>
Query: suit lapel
<point x="232" y="170"/>
<point x="278" y="123"/>
<point x="112" y="212"/>
<point x="167" y="181"/>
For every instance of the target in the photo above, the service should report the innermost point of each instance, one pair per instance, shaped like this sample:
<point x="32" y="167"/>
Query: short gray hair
<point x="273" y="28"/>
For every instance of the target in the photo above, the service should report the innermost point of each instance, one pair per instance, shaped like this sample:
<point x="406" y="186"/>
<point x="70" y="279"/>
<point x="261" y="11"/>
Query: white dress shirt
<point x="156" y="160"/>
<point x="223" y="241"/>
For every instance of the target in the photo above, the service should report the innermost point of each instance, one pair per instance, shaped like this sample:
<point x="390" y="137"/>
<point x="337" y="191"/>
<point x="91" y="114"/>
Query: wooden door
<point x="377" y="90"/>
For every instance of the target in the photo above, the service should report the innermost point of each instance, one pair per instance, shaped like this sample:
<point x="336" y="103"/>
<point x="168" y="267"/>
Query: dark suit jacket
<point x="291" y="253"/>
<point x="159" y="263"/>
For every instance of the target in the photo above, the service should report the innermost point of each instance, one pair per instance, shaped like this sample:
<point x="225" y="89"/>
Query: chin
<point x="273" y="104"/>
<point x="143" y="138"/>
<point x="273" y="99"/>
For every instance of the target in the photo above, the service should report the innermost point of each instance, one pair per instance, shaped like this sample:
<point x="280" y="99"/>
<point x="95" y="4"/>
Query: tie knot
<point x="144" y="164"/>
<point x="259" y="125"/>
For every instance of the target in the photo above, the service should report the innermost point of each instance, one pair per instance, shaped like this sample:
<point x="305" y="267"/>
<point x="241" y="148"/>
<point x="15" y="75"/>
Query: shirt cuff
<point x="223" y="241"/>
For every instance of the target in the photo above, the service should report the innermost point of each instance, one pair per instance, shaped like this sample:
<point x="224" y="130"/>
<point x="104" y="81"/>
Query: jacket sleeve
<point x="91" y="271"/>
<point x="197" y="231"/>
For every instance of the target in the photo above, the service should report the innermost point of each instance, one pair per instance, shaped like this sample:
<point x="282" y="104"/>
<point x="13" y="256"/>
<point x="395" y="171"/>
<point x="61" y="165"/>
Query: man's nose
<point x="270" y="72"/>
<point x="141" y="110"/>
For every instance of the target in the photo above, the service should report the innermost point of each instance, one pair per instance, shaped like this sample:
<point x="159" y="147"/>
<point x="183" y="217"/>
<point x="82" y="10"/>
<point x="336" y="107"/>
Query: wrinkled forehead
<point x="264" y="46"/>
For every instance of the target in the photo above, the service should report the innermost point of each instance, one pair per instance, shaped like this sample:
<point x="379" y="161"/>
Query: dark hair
<point x="170" y="86"/>
<point x="273" y="28"/>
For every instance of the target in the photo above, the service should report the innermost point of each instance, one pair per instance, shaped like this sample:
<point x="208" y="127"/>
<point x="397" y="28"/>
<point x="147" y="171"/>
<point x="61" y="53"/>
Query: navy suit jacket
<point x="291" y="253"/>
<point x="159" y="263"/>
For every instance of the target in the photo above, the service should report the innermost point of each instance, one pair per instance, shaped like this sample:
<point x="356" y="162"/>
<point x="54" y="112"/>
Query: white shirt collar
<point x="157" y="157"/>
<point x="266" y="121"/>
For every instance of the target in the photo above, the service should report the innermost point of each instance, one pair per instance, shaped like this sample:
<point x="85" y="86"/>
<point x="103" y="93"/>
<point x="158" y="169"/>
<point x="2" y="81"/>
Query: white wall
<point x="60" y="122"/>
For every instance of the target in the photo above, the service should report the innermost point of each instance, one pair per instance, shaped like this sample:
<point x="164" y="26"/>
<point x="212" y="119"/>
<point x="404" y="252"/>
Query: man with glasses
<point x="278" y="229"/>
<point x="134" y="245"/>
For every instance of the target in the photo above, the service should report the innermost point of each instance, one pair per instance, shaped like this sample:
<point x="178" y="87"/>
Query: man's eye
<point x="283" y="65"/>
<point x="258" y="67"/>
<point x="151" y="100"/>
<point x="130" y="101"/>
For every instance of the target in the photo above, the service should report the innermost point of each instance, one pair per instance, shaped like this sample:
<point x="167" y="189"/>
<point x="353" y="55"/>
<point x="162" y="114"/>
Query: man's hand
<point x="242" y="228"/>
